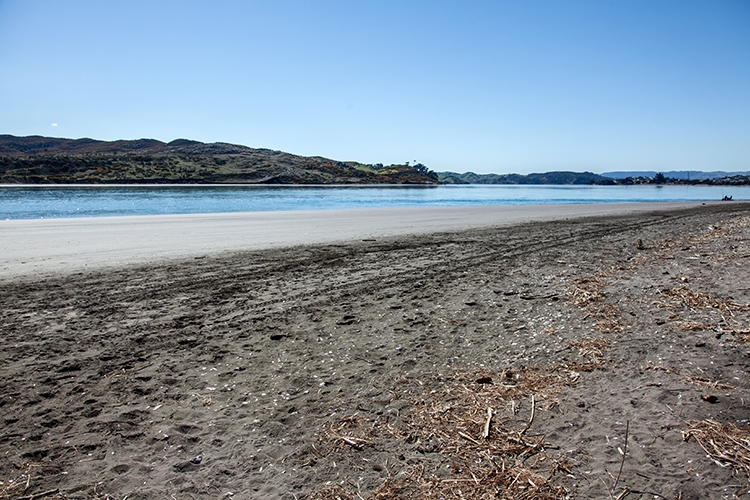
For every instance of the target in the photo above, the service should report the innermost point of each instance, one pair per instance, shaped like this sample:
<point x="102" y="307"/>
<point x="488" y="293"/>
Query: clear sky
<point x="483" y="86"/>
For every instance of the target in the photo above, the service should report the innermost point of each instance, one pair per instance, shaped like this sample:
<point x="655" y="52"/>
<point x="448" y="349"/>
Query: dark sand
<point x="366" y="368"/>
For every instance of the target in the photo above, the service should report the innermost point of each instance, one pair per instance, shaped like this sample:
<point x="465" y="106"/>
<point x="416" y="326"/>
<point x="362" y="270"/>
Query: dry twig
<point x="624" y="453"/>
<point x="531" y="418"/>
<point x="488" y="423"/>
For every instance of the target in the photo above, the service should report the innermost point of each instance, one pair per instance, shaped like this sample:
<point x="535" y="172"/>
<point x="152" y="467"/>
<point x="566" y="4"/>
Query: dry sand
<point x="55" y="246"/>
<point x="361" y="362"/>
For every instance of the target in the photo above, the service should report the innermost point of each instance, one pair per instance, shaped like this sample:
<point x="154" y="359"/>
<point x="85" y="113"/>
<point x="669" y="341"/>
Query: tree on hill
<point x="422" y="169"/>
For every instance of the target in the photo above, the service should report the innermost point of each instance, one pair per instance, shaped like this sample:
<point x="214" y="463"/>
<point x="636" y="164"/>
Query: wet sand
<point x="363" y="360"/>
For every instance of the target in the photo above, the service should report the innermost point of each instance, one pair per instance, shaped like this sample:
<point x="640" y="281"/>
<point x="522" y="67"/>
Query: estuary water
<point x="34" y="202"/>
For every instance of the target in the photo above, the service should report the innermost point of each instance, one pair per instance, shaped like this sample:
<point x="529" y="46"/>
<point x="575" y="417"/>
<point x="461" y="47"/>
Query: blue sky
<point x="483" y="86"/>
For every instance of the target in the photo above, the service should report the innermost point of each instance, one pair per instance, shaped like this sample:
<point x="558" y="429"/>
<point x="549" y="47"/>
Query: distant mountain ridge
<point x="50" y="160"/>
<point x="36" y="145"/>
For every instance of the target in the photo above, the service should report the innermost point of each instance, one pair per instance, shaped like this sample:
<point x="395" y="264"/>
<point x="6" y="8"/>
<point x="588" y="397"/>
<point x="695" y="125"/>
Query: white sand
<point x="40" y="247"/>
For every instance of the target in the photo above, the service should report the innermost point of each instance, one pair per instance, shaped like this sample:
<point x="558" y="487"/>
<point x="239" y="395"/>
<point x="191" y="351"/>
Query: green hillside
<point x="44" y="160"/>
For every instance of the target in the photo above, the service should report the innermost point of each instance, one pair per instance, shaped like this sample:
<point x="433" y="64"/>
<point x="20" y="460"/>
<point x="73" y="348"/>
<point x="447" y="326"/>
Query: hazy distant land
<point x="607" y="178"/>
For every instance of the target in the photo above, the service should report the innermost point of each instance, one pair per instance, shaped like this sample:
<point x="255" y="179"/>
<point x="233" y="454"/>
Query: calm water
<point x="24" y="202"/>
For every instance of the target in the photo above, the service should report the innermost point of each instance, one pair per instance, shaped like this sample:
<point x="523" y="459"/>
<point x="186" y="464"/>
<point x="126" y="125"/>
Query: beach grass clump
<point x="726" y="444"/>
<point x="690" y="377"/>
<point x="694" y="326"/>
<point x="587" y="290"/>
<point x="334" y="492"/>
<point x="588" y="293"/>
<point x="13" y="487"/>
<point x="468" y="434"/>
<point x="592" y="349"/>
<point x="512" y="482"/>
<point x="709" y="313"/>
<point x="685" y="297"/>
<point x="16" y="487"/>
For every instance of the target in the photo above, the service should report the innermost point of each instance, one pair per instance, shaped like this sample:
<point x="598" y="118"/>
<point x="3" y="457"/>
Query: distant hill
<point x="545" y="178"/>
<point x="607" y="179"/>
<point x="50" y="160"/>
<point x="692" y="175"/>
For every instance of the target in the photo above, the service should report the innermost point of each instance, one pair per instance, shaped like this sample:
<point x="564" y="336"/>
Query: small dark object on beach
<point x="484" y="380"/>
<point x="710" y="398"/>
<point x="347" y="320"/>
<point x="186" y="466"/>
<point x="640" y="245"/>
<point x="196" y="460"/>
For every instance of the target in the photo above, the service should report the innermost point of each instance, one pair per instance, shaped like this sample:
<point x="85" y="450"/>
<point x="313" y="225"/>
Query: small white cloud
<point x="53" y="124"/>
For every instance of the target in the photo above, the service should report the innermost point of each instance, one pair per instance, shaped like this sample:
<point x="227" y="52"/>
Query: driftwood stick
<point x="531" y="418"/>
<point x="624" y="452"/>
<point x="515" y="479"/>
<point x="635" y="492"/>
<point x="622" y="495"/>
<point x="466" y="436"/>
<point x="487" y="424"/>
<point x="352" y="443"/>
<point x="39" y="495"/>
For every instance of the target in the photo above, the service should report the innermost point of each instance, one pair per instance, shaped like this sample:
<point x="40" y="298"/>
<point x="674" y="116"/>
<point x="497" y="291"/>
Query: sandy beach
<point x="60" y="246"/>
<point x="576" y="351"/>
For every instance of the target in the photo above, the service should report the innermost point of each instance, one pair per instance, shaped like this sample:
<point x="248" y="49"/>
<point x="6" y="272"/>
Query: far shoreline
<point x="355" y="184"/>
<point x="195" y="184"/>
